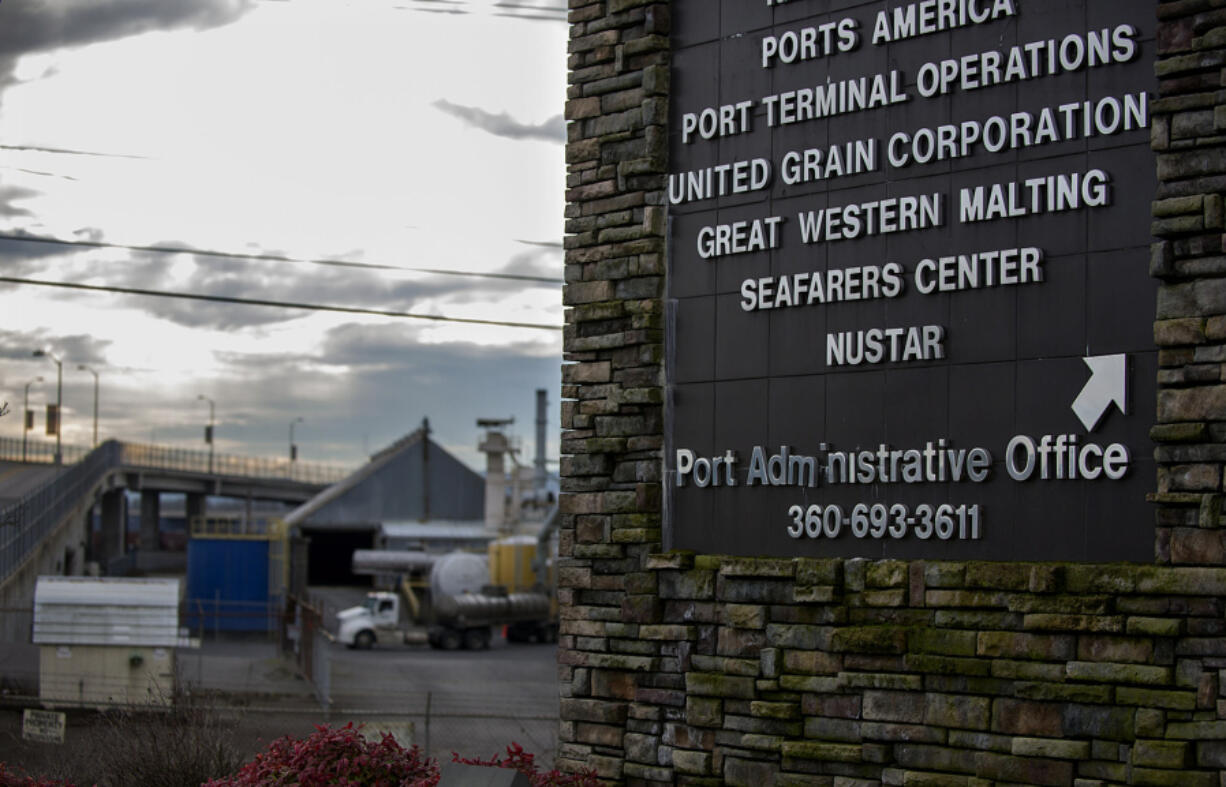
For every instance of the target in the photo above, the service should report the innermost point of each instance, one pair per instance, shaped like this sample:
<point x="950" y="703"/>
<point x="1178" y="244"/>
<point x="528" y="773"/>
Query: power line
<point x="93" y="244"/>
<point x="191" y="296"/>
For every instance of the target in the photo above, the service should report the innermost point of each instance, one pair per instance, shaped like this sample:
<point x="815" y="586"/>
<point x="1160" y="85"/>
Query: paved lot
<point x="17" y="479"/>
<point x="478" y="701"/>
<point x="473" y="702"/>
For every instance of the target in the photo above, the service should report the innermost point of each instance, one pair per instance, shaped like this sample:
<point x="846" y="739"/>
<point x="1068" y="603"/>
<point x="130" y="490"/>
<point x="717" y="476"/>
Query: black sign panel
<point x="910" y="309"/>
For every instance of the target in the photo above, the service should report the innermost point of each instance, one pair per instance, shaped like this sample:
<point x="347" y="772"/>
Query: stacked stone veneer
<point x="698" y="669"/>
<point x="1189" y="138"/>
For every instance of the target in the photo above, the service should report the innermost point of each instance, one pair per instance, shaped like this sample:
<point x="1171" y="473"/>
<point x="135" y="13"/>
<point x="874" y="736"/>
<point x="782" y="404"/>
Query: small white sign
<point x="43" y="726"/>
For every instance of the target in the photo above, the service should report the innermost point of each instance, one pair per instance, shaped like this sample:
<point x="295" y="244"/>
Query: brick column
<point x="1189" y="132"/>
<point x="612" y="385"/>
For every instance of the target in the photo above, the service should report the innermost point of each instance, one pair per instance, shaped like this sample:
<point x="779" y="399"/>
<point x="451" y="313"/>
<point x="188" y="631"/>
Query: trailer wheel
<point x="449" y="640"/>
<point x="364" y="640"/>
<point x="477" y="639"/>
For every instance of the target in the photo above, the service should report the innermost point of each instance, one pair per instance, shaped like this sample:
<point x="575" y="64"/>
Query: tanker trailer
<point x="467" y="619"/>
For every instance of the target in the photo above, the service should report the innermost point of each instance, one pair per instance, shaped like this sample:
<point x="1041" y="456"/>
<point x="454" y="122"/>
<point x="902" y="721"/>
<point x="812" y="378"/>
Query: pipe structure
<point x="539" y="476"/>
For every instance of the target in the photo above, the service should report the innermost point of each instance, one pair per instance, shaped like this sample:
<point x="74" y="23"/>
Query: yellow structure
<point x="107" y="641"/>
<point x="106" y="675"/>
<point x="511" y="563"/>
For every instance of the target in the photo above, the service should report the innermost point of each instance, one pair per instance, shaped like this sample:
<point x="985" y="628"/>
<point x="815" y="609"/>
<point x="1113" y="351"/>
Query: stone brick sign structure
<point x="694" y="667"/>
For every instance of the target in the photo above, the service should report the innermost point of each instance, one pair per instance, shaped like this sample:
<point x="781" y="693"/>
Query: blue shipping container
<point x="227" y="586"/>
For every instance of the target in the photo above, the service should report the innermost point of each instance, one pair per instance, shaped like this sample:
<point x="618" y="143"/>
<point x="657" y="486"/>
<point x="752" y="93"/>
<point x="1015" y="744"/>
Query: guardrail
<point x="38" y="452"/>
<point x="161" y="457"/>
<point x="29" y="521"/>
<point x="25" y="523"/>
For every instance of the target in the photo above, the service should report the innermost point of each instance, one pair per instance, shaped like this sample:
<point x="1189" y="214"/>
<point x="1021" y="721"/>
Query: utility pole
<point x="59" y="401"/>
<point x="208" y="432"/>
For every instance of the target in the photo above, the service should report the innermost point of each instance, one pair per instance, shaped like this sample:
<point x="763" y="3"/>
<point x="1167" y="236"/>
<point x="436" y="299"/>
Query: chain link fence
<point x="262" y="687"/>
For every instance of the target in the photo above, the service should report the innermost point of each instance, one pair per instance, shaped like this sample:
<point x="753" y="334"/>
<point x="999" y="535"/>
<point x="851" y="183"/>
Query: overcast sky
<point x="419" y="134"/>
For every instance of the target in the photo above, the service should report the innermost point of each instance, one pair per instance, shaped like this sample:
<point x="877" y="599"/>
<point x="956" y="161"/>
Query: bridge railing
<point x="23" y="525"/>
<point x="39" y="452"/>
<point x="26" y="522"/>
<point x="161" y="457"/>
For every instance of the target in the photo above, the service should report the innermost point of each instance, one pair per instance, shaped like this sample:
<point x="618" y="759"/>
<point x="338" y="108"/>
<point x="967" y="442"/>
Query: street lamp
<point x="293" y="449"/>
<point x="83" y="368"/>
<point x="208" y="433"/>
<point x="25" y="418"/>
<point x="59" y="400"/>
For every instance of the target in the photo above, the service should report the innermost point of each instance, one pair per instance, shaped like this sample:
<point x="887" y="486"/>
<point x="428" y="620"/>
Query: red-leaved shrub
<point x="343" y="758"/>
<point x="522" y="761"/>
<point x="11" y="779"/>
<point x="339" y="756"/>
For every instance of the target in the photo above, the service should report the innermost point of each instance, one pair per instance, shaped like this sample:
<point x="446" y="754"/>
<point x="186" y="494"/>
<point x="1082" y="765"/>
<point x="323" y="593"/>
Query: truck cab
<point x="377" y="619"/>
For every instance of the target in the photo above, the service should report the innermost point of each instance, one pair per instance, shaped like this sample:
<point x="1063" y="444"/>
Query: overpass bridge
<point x="46" y="510"/>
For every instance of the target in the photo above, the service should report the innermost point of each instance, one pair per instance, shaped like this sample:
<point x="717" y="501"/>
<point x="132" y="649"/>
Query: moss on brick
<point x="817" y="750"/>
<point x="869" y="639"/>
<point x="942" y="642"/>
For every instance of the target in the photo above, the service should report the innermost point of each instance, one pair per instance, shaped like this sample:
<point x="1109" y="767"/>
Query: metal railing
<point x="238" y="525"/>
<point x="186" y="460"/>
<point x="26" y="522"/>
<point x="38" y="452"/>
<point x="32" y="519"/>
<point x="160" y="457"/>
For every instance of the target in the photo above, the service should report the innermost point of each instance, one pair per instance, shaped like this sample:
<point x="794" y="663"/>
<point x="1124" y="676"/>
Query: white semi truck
<point x="466" y="620"/>
<point x="464" y="607"/>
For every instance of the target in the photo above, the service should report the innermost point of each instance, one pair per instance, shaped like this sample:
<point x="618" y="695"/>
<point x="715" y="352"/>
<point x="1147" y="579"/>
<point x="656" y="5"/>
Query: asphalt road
<point x="472" y="702"/>
<point x="507" y="679"/>
<point x="18" y="480"/>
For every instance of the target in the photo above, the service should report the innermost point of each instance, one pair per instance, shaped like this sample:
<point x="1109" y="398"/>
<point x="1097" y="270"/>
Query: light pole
<point x="25" y="418"/>
<point x="208" y="433"/>
<point x="83" y="368"/>
<point x="293" y="449"/>
<point x="59" y="400"/>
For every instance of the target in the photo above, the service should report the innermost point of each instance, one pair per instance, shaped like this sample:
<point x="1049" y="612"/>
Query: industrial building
<point x="413" y="497"/>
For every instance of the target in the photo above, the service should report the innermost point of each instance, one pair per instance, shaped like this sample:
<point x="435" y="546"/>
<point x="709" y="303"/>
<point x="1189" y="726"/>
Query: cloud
<point x="10" y="196"/>
<point x="529" y="10"/>
<point x="20" y="256"/>
<point x="32" y="27"/>
<point x="542" y="260"/>
<point x="68" y="152"/>
<point x="74" y="349"/>
<point x="301" y="282"/>
<point x="42" y="174"/>
<point x="503" y="125"/>
<point x="390" y="381"/>
<point x="23" y="259"/>
<point x="284" y="282"/>
<point x="305" y="284"/>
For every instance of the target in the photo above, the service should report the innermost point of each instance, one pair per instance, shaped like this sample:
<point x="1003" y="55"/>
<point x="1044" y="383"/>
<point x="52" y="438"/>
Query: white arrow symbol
<point x="1108" y="383"/>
